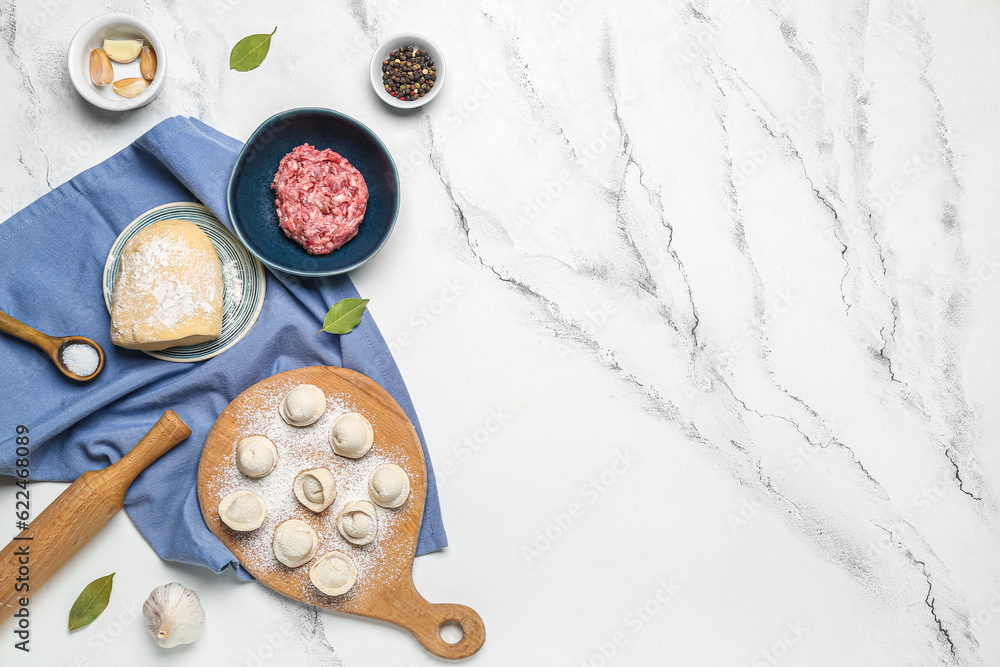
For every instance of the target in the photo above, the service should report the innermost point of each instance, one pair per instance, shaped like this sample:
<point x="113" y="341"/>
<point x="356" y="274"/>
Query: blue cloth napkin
<point x="52" y="257"/>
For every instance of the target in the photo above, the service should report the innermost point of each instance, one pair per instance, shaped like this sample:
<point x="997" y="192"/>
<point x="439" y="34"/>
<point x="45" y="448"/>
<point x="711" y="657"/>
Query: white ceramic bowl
<point x="391" y="44"/>
<point x="91" y="36"/>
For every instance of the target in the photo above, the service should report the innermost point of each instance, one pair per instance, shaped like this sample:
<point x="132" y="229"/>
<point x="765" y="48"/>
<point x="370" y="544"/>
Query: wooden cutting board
<point x="384" y="589"/>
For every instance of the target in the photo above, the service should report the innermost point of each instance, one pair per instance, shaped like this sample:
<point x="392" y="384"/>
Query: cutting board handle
<point x="424" y="620"/>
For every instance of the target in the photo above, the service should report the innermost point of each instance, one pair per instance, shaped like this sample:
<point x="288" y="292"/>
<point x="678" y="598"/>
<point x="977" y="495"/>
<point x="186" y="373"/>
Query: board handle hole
<point x="451" y="632"/>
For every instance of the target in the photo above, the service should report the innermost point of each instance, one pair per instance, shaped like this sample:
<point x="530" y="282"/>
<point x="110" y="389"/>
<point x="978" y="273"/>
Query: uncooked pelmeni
<point x="389" y="486"/>
<point x="256" y="456"/>
<point x="352" y="435"/>
<point x="295" y="542"/>
<point x="303" y="405"/>
<point x="358" y="522"/>
<point x="334" y="573"/>
<point x="316" y="489"/>
<point x="242" y="511"/>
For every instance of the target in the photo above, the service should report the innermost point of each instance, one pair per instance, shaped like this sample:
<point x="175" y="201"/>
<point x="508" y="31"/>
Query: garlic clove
<point x="122" y="50"/>
<point x="173" y="615"/>
<point x="101" y="71"/>
<point x="131" y="87"/>
<point x="147" y="62"/>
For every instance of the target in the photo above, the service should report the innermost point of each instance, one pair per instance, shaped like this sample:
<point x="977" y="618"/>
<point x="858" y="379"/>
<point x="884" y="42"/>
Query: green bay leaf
<point x="344" y="315"/>
<point x="250" y="52"/>
<point x="91" y="602"/>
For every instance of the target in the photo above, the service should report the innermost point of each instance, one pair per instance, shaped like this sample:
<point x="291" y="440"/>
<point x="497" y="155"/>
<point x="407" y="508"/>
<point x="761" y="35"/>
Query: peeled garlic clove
<point x="101" y="71"/>
<point x="173" y="615"/>
<point x="358" y="522"/>
<point x="122" y="50"/>
<point x="147" y="63"/>
<point x="131" y="87"/>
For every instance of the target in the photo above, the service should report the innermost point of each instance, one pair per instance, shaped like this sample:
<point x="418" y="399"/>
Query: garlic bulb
<point x="173" y="615"/>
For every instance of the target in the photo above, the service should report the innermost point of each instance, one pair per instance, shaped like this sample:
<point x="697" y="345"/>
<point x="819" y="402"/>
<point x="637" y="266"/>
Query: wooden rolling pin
<point x="79" y="512"/>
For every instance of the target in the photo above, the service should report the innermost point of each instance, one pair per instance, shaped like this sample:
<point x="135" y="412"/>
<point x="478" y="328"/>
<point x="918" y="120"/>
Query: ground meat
<point x="320" y="198"/>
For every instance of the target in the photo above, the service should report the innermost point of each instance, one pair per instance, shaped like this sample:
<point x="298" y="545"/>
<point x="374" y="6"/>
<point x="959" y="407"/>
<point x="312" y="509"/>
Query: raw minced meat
<point x="320" y="198"/>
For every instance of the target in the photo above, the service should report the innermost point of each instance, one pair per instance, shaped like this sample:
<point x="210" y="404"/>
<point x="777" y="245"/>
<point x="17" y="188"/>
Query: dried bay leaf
<point x="90" y="603"/>
<point x="250" y="52"/>
<point x="344" y="315"/>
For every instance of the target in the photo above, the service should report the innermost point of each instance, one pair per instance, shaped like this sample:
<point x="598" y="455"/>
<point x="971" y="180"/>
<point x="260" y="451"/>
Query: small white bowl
<point x="397" y="41"/>
<point x="91" y="36"/>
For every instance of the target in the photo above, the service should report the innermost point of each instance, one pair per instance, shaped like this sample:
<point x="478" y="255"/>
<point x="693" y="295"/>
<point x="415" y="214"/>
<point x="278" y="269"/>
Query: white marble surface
<point x="705" y="291"/>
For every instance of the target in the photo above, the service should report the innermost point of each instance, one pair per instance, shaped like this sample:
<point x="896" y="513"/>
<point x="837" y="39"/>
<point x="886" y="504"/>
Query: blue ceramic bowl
<point x="251" y="199"/>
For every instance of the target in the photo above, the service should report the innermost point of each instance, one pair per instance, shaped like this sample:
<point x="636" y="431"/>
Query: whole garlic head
<point x="173" y="615"/>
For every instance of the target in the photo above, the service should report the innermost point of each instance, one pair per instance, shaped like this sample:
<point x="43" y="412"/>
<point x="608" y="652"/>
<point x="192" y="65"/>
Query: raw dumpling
<point x="303" y="405"/>
<point x="358" y="522"/>
<point x="389" y="486"/>
<point x="352" y="435"/>
<point x="242" y="511"/>
<point x="334" y="573"/>
<point x="316" y="489"/>
<point x="256" y="456"/>
<point x="295" y="542"/>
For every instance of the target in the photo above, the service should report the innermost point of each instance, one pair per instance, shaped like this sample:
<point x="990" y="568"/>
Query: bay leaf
<point x="250" y="52"/>
<point x="344" y="315"/>
<point x="90" y="603"/>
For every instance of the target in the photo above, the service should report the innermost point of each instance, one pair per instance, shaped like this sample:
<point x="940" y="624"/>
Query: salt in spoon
<point x="52" y="345"/>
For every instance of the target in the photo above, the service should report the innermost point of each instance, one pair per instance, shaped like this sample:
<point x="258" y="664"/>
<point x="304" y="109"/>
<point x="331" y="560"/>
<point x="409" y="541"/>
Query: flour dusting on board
<point x="301" y="449"/>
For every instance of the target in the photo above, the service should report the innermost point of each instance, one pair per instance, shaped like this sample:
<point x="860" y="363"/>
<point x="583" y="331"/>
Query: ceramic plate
<point x="251" y="200"/>
<point x="243" y="276"/>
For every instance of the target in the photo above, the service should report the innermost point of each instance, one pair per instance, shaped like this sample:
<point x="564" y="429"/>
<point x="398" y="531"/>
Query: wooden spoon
<point x="86" y="506"/>
<point x="52" y="345"/>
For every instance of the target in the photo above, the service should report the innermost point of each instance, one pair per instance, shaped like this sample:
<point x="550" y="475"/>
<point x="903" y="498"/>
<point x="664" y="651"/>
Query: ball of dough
<point x="334" y="573"/>
<point x="316" y="489"/>
<point x="256" y="456"/>
<point x="352" y="435"/>
<point x="294" y="542"/>
<point x="303" y="405"/>
<point x="358" y="522"/>
<point x="169" y="289"/>
<point x="243" y="511"/>
<point x="389" y="486"/>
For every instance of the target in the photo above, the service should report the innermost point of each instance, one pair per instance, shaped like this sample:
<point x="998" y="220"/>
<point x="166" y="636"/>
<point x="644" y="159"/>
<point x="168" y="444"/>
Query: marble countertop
<point x="695" y="301"/>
